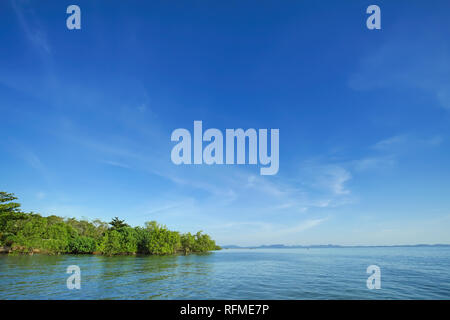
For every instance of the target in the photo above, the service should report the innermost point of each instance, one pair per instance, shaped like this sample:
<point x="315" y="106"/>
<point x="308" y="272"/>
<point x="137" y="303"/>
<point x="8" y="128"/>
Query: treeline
<point x="31" y="232"/>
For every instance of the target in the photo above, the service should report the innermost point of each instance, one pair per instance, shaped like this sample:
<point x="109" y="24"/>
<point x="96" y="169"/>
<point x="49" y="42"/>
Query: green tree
<point x="128" y="240"/>
<point x="9" y="210"/>
<point x="81" y="244"/>
<point x="187" y="242"/>
<point x="143" y="240"/>
<point x="31" y="232"/>
<point x="161" y="240"/>
<point x="110" y="244"/>
<point x="203" y="243"/>
<point x="6" y="206"/>
<point x="116" y="223"/>
<point x="121" y="241"/>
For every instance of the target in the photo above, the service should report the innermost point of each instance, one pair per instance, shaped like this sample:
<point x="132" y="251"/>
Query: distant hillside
<point x="282" y="246"/>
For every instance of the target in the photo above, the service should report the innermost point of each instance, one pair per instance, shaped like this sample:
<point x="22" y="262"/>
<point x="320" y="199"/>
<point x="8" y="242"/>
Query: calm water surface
<point x="325" y="273"/>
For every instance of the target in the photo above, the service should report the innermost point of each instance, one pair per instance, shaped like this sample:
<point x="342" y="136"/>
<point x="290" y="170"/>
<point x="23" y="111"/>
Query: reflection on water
<point x="407" y="273"/>
<point x="120" y="277"/>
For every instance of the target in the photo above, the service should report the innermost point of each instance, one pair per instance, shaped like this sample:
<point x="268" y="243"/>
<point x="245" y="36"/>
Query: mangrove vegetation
<point x="23" y="232"/>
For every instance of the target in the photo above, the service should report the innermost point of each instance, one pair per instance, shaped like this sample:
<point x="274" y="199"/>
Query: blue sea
<point x="316" y="273"/>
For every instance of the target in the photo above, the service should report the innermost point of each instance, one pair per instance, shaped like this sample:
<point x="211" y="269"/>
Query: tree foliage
<point x="116" y="224"/>
<point x="9" y="210"/>
<point x="31" y="232"/>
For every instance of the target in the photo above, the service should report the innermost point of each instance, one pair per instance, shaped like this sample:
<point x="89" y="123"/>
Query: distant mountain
<point x="279" y="246"/>
<point x="282" y="246"/>
<point x="231" y="247"/>
<point x="273" y="246"/>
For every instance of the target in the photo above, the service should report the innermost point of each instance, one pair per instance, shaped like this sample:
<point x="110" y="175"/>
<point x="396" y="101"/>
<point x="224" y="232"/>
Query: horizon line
<point x="279" y="246"/>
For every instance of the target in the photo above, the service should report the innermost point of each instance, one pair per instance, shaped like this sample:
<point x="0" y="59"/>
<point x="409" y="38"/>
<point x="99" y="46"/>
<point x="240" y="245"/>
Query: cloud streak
<point x="420" y="63"/>
<point x="32" y="27"/>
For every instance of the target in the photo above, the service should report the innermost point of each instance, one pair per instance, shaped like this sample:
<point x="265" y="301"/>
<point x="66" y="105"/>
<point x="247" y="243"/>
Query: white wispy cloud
<point x="33" y="160"/>
<point x="420" y="63"/>
<point x="337" y="177"/>
<point x="374" y="163"/>
<point x="304" y="225"/>
<point x="31" y="26"/>
<point x="403" y="142"/>
<point x="115" y="164"/>
<point x="328" y="177"/>
<point x="390" y="143"/>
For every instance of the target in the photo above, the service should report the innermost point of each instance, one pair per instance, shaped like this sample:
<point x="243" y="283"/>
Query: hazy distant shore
<point x="282" y="246"/>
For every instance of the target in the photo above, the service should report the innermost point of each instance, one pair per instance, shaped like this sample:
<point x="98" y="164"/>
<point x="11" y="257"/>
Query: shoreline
<point x="5" y="250"/>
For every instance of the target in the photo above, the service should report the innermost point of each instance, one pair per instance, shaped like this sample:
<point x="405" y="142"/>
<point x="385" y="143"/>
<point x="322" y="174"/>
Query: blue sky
<point x="86" y="116"/>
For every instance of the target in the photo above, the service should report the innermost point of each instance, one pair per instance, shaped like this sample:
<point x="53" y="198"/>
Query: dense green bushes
<point x="81" y="244"/>
<point x="30" y="232"/>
